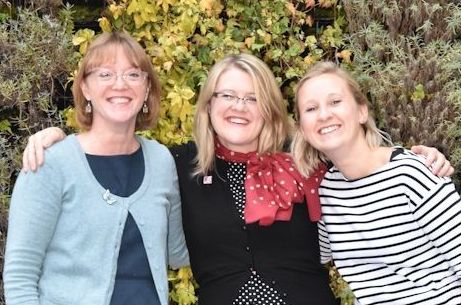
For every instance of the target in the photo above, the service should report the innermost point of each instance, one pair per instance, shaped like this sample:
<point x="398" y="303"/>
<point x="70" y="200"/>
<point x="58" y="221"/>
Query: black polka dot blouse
<point x="255" y="291"/>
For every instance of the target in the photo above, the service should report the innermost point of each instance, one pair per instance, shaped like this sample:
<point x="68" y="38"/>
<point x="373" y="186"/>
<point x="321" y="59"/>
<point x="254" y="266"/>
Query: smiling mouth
<point x="237" y="120"/>
<point x="119" y="100"/>
<point x="328" y="129"/>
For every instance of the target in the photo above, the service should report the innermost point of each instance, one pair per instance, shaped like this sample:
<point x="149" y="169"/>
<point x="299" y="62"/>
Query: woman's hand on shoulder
<point x="33" y="156"/>
<point x="435" y="160"/>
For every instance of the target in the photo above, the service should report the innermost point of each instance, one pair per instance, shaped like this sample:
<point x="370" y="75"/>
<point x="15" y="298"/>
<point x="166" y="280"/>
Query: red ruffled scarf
<point x="273" y="184"/>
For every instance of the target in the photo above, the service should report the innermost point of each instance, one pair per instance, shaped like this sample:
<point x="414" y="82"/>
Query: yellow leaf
<point x="309" y="59"/>
<point x="167" y="65"/>
<point x="105" y="25"/>
<point x="188" y="23"/>
<point x="133" y="7"/>
<point x="187" y="110"/>
<point x="184" y="273"/>
<point x="219" y="26"/>
<point x="82" y="38"/>
<point x="115" y="10"/>
<point x="345" y="55"/>
<point x="291" y="8"/>
<point x="249" y="41"/>
<point x="187" y="93"/>
<point x="138" y="20"/>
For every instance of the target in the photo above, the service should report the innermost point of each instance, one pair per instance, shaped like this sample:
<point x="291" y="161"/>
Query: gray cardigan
<point x="65" y="230"/>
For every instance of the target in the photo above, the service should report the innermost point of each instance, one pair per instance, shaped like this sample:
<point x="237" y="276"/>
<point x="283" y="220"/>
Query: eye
<point x="105" y="75"/>
<point x="310" y="108"/>
<point x="251" y="99"/>
<point x="335" y="101"/>
<point x="133" y="75"/>
<point x="227" y="97"/>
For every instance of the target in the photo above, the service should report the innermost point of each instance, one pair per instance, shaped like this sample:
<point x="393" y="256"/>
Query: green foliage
<point x="185" y="37"/>
<point x="35" y="57"/>
<point x="408" y="55"/>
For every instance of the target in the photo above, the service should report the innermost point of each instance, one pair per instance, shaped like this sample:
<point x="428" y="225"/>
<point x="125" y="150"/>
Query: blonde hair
<point x="271" y="104"/>
<point x="102" y="50"/>
<point x="306" y="157"/>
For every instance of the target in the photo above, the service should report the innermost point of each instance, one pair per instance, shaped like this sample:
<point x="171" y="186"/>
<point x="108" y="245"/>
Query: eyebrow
<point x="234" y="92"/>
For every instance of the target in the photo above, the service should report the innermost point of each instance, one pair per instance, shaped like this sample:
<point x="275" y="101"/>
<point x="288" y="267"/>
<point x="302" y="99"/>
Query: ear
<point x="363" y="114"/>
<point x="85" y="91"/>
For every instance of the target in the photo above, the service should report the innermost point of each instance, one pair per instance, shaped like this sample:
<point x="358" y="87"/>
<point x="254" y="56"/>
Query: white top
<point x="394" y="235"/>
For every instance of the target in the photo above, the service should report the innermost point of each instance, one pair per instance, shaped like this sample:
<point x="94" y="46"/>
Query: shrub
<point x="408" y="56"/>
<point x="36" y="55"/>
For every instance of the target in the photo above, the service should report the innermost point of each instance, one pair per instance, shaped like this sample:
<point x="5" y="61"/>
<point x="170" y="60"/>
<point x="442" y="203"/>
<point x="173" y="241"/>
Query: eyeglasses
<point x="109" y="77"/>
<point x="233" y="99"/>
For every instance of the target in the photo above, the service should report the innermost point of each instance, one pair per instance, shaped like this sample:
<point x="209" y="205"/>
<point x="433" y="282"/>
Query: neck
<point x="108" y="142"/>
<point x="360" y="160"/>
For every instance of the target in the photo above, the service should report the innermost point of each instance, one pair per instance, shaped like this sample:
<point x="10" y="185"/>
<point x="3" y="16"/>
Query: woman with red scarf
<point x="249" y="217"/>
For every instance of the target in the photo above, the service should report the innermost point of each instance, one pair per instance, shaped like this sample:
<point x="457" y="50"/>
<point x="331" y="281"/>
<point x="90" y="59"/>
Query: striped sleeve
<point x="437" y="209"/>
<point x="325" y="249"/>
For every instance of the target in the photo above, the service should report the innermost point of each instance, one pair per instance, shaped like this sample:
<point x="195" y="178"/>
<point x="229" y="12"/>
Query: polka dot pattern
<point x="236" y="177"/>
<point x="255" y="291"/>
<point x="272" y="185"/>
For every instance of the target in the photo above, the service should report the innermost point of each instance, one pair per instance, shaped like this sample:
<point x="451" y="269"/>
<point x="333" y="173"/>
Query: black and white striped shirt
<point x="394" y="235"/>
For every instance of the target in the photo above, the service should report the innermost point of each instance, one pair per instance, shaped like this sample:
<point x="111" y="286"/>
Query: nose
<point x="119" y="81"/>
<point x="324" y="112"/>
<point x="239" y="104"/>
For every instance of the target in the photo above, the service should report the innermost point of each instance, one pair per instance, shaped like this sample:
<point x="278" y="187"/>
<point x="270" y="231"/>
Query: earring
<point x="88" y="108"/>
<point x="145" y="108"/>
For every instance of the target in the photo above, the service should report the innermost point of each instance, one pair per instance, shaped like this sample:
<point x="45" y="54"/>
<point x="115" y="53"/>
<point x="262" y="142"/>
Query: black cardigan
<point x="224" y="250"/>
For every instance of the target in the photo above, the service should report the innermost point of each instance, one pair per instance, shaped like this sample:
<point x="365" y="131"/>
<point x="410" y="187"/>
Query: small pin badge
<point x="107" y="196"/>
<point x="207" y="179"/>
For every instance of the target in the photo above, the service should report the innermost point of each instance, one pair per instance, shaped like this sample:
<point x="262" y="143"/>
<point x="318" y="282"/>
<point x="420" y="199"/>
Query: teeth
<point x="119" y="100"/>
<point x="237" y="120"/>
<point x="328" y="129"/>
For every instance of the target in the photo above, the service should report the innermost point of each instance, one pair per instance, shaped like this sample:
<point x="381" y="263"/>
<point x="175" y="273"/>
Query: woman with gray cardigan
<point x="94" y="225"/>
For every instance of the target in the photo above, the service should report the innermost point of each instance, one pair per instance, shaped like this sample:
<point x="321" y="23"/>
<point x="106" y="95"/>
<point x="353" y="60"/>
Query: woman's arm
<point x="437" y="210"/>
<point x="178" y="255"/>
<point x="34" y="211"/>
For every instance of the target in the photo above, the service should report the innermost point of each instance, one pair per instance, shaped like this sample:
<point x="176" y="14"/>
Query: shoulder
<point x="184" y="154"/>
<point x="68" y="146"/>
<point x="62" y="155"/>
<point x="156" y="155"/>
<point x="152" y="145"/>
<point x="184" y="151"/>
<point x="411" y="167"/>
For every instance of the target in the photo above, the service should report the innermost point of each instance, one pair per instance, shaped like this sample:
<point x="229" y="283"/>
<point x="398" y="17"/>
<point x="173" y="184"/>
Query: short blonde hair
<point x="272" y="106"/>
<point x="306" y="157"/>
<point x="101" y="51"/>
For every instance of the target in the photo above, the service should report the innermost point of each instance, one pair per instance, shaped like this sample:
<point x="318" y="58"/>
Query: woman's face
<point x="237" y="122"/>
<point x="330" y="118"/>
<point x="117" y="91"/>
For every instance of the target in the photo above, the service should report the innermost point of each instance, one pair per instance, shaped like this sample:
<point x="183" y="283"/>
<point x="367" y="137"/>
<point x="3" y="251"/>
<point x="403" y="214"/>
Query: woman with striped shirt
<point x="390" y="225"/>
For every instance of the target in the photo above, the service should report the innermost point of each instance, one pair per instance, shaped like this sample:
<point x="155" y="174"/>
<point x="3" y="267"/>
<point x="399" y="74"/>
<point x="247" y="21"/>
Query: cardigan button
<point x="273" y="283"/>
<point x="247" y="248"/>
<point x="244" y="227"/>
<point x="284" y="294"/>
